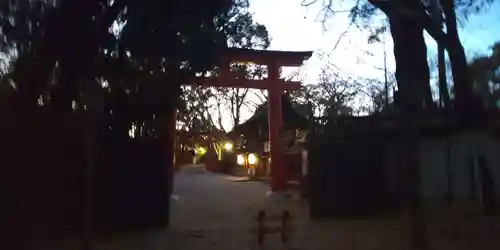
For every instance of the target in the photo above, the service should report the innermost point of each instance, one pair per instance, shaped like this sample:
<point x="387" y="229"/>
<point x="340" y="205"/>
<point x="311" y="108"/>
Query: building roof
<point x="291" y="118"/>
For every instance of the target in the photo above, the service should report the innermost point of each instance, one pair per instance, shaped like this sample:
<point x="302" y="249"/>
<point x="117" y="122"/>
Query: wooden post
<point x="275" y="92"/>
<point x="261" y="227"/>
<point x="285" y="227"/>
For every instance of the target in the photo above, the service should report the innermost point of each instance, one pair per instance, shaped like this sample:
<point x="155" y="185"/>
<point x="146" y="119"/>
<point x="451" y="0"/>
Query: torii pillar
<point x="275" y="124"/>
<point x="275" y="88"/>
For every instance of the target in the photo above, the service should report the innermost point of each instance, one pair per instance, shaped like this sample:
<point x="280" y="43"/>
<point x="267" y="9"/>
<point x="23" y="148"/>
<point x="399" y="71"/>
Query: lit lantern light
<point x="240" y="159"/>
<point x="228" y="146"/>
<point x="252" y="159"/>
<point x="201" y="150"/>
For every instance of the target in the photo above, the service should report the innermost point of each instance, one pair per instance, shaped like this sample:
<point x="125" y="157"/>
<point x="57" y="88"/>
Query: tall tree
<point x="134" y="55"/>
<point x="486" y="77"/>
<point x="408" y="19"/>
<point x="235" y="99"/>
<point x="85" y="24"/>
<point x="194" y="114"/>
<point x="432" y="15"/>
<point x="241" y="32"/>
<point x="330" y="96"/>
<point x="379" y="96"/>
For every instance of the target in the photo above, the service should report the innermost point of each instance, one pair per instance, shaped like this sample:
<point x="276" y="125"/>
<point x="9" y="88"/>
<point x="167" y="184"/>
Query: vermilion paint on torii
<point x="275" y="86"/>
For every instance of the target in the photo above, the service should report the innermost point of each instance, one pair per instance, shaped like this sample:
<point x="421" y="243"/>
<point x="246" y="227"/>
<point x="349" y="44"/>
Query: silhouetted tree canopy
<point x="203" y="109"/>
<point x="124" y="60"/>
<point x="417" y="16"/>
<point x="131" y="55"/>
<point x="68" y="44"/>
<point x="486" y="77"/>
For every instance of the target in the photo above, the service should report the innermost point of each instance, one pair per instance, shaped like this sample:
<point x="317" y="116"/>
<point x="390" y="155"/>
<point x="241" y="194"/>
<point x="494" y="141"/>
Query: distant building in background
<point x="253" y="137"/>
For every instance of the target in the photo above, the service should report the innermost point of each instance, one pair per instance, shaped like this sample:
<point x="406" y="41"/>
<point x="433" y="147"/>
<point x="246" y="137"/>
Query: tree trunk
<point x="464" y="98"/>
<point x="412" y="75"/>
<point x="410" y="52"/>
<point x="444" y="95"/>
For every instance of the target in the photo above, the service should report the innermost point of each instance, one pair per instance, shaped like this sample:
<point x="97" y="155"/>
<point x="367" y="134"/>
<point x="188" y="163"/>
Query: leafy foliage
<point x="119" y="63"/>
<point x="486" y="77"/>
<point x="155" y="35"/>
<point x="331" y="96"/>
<point x="363" y="13"/>
<point x="195" y="115"/>
<point x="468" y="8"/>
<point x="241" y="32"/>
<point x="382" y="99"/>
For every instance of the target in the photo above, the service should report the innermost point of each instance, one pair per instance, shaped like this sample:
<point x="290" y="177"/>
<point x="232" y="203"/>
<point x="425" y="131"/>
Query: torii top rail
<point x="275" y="86"/>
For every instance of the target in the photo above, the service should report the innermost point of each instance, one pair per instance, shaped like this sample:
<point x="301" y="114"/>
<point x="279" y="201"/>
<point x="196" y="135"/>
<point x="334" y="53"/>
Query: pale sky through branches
<point x="296" y="28"/>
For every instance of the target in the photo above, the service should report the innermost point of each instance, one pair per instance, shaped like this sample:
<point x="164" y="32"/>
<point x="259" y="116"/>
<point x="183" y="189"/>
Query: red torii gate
<point x="275" y="86"/>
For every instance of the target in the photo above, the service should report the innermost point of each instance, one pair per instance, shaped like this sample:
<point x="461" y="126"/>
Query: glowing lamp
<point x="228" y="146"/>
<point x="252" y="159"/>
<point x="240" y="159"/>
<point x="201" y="150"/>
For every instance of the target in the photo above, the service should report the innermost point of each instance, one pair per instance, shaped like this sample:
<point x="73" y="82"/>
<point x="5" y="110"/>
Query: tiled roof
<point x="291" y="118"/>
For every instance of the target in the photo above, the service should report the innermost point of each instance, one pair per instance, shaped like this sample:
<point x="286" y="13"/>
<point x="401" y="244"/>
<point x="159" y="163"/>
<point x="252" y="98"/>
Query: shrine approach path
<point x="217" y="212"/>
<point x="213" y="211"/>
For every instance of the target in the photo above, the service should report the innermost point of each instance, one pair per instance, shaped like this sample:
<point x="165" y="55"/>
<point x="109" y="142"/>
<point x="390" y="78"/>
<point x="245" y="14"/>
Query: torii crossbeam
<point x="275" y="86"/>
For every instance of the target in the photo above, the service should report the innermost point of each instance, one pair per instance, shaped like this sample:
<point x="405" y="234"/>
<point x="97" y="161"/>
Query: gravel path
<point x="214" y="211"/>
<point x="217" y="212"/>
